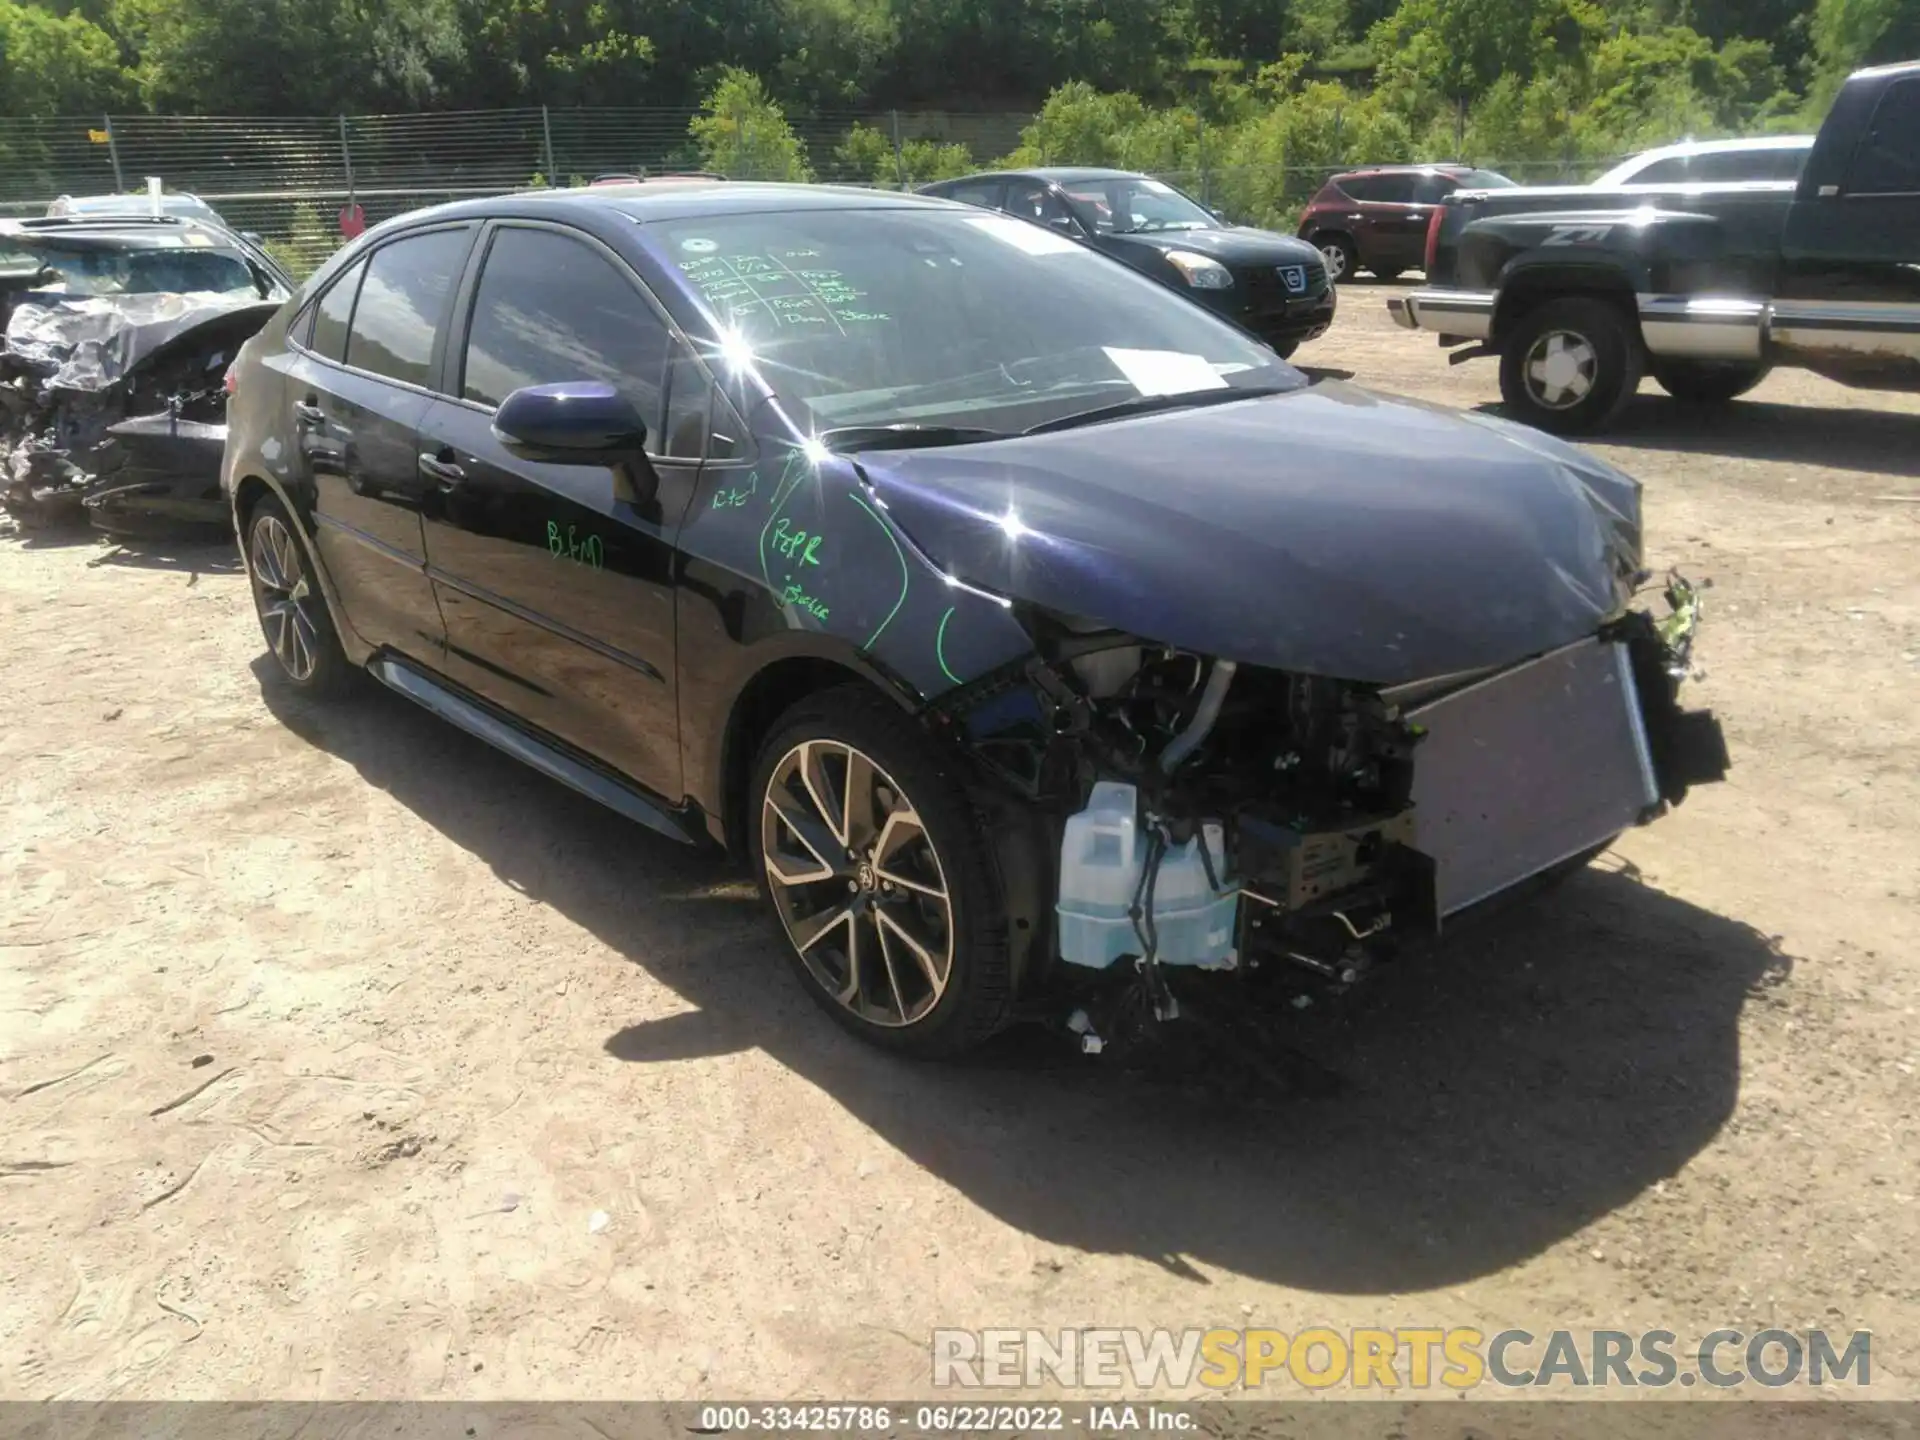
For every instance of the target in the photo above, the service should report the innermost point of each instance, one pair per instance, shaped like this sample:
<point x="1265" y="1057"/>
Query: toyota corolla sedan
<point x="1273" y="286"/>
<point x="1044" y="644"/>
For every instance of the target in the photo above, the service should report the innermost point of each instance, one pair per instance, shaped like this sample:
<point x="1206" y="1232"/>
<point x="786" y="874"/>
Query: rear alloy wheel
<point x="876" y="868"/>
<point x="293" y="615"/>
<point x="1340" y="257"/>
<point x="1570" y="366"/>
<point x="1707" y="382"/>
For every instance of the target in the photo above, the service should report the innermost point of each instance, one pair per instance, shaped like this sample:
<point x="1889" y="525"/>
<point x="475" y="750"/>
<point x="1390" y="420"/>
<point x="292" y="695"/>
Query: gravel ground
<point x="342" y="1057"/>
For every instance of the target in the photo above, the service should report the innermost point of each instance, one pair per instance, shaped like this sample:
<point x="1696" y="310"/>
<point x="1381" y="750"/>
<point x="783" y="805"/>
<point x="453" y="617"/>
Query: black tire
<point x="1707" y="382"/>
<point x="1342" y="257"/>
<point x="876" y="987"/>
<point x="1596" y="361"/>
<point x="1387" y="274"/>
<point x="291" y="607"/>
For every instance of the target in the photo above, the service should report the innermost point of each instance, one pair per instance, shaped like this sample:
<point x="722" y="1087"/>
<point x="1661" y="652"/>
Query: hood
<point x="94" y="342"/>
<point x="1328" y="531"/>
<point x="1230" y="244"/>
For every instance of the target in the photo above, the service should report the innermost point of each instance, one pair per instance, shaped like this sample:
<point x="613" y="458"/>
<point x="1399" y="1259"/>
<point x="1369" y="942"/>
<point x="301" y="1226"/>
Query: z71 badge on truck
<point x="1580" y="291"/>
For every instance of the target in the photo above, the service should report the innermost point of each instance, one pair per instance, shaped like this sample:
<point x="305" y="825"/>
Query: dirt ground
<point x="344" y="1058"/>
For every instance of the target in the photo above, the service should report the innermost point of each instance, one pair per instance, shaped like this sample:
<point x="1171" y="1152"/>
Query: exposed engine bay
<point x="1230" y="818"/>
<point x="112" y="407"/>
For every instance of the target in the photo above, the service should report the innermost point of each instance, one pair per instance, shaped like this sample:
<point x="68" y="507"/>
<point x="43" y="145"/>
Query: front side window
<point x="1136" y="204"/>
<point x="875" y="316"/>
<point x="1888" y="160"/>
<point x="552" y="309"/>
<point x="403" y="303"/>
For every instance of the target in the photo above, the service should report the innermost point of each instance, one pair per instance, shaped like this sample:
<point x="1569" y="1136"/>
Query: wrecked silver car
<point x="118" y="332"/>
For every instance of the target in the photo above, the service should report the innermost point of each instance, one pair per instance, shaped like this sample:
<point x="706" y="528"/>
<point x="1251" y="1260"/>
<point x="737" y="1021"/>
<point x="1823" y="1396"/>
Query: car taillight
<point x="1433" y="238"/>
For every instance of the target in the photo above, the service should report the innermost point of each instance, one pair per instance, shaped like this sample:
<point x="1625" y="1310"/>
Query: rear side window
<point x="1431" y="189"/>
<point x="331" y="315"/>
<point x="551" y="309"/>
<point x="1672" y="171"/>
<point x="1361" y="187"/>
<point x="403" y="302"/>
<point x="1888" y="160"/>
<point x="1393" y="189"/>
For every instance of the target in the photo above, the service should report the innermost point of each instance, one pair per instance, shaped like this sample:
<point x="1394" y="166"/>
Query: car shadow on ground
<point x="1487" y="1103"/>
<point x="1876" y="442"/>
<point x="199" y="551"/>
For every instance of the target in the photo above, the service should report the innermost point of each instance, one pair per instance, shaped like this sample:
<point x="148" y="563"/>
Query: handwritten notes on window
<point x="781" y="292"/>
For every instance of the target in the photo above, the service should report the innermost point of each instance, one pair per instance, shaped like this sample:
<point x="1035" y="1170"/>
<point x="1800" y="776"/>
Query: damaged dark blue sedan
<point x="1043" y="643"/>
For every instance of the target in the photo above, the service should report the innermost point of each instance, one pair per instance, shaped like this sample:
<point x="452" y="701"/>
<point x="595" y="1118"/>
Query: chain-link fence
<point x="290" y="179"/>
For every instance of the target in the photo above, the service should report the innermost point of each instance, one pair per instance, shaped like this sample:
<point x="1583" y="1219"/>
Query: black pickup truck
<point x="1581" y="291"/>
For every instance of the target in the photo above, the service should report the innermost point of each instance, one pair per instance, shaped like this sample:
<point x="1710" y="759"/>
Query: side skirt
<point x="505" y="735"/>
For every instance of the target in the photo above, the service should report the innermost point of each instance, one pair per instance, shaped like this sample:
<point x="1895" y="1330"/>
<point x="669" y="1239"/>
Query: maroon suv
<point x="1376" y="219"/>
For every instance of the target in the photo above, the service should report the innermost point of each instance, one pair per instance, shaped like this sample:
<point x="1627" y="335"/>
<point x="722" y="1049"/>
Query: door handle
<point x="308" y="415"/>
<point x="446" y="472"/>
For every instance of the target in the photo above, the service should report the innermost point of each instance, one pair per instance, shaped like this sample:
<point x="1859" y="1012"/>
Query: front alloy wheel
<point x="857" y="883"/>
<point x="1570" y="365"/>
<point x="869" y="846"/>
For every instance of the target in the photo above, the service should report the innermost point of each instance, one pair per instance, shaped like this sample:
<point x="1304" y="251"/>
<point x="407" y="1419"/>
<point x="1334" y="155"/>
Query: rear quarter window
<point x="403" y="304"/>
<point x="1888" y="160"/>
<point x="325" y="331"/>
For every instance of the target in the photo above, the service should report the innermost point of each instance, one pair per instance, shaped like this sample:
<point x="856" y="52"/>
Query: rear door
<point x="364" y="356"/>
<point x="556" y="585"/>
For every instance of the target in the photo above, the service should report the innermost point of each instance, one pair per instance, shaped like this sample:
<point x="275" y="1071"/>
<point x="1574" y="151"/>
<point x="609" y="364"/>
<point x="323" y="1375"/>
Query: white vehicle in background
<point x="187" y="207"/>
<point x="1768" y="158"/>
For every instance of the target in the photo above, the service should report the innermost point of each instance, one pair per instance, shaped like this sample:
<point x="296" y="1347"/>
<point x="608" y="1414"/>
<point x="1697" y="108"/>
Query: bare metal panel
<point x="1529" y="767"/>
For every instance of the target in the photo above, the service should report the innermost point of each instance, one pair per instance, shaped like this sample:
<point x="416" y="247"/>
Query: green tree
<point x="56" y="64"/>
<point x="1848" y="34"/>
<point x="744" y="135"/>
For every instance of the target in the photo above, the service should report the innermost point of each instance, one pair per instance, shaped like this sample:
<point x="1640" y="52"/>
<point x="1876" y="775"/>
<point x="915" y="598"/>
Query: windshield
<point x="1130" y="204"/>
<point x="909" y="317"/>
<point x="170" y="269"/>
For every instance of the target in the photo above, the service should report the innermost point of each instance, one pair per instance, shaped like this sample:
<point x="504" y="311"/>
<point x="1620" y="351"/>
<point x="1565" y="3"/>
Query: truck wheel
<point x="867" y="845"/>
<point x="1707" y="382"/>
<point x="1570" y="366"/>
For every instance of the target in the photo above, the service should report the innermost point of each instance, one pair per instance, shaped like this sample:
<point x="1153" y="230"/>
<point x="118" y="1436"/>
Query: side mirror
<point x="578" y="423"/>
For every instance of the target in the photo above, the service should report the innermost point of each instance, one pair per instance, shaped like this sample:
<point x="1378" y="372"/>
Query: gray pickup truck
<point x="1581" y="291"/>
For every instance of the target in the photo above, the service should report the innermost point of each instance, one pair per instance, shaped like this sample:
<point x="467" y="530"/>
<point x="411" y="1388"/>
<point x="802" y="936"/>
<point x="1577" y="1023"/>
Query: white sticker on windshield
<point x="699" y="245"/>
<point x="1165" y="372"/>
<point x="1023" y="235"/>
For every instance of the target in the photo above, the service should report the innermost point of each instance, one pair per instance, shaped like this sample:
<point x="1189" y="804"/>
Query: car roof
<point x="1724" y="147"/>
<point x="676" y="198"/>
<point x="1055" y="174"/>
<point x="1437" y="167"/>
<point x="137" y="228"/>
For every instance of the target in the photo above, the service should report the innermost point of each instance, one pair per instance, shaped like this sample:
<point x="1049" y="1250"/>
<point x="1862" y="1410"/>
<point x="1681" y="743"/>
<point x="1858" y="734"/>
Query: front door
<point x="357" y="383"/>
<point x="556" y="581"/>
<point x="1849" y="294"/>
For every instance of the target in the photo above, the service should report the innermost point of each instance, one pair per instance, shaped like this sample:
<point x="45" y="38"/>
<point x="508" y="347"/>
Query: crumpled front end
<point x="1252" y="822"/>
<point x="112" y="407"/>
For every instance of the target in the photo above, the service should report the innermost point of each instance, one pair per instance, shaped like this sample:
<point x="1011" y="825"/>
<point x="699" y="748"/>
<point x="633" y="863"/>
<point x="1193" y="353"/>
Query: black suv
<point x="1009" y="614"/>
<point x="1270" y="285"/>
